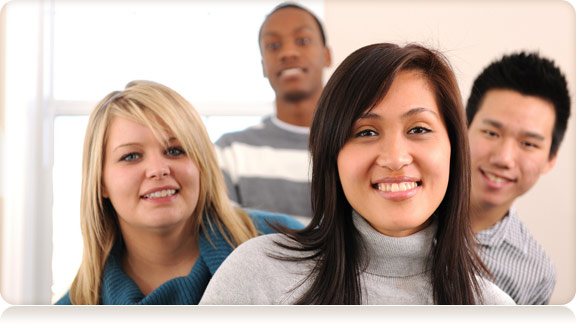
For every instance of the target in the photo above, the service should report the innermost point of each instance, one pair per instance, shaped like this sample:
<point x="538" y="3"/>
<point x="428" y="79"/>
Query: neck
<point x="484" y="216"/>
<point x="300" y="113"/>
<point x="152" y="258"/>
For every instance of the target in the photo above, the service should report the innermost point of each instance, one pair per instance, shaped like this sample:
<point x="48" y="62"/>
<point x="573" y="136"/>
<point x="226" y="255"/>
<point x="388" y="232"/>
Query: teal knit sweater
<point x="117" y="288"/>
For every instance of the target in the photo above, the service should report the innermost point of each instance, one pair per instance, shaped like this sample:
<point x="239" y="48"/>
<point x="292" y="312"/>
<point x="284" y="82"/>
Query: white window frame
<point x="27" y="152"/>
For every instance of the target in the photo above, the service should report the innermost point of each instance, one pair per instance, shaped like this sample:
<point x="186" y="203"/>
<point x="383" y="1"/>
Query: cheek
<point x="115" y="183"/>
<point x="349" y="166"/>
<point x="478" y="148"/>
<point x="191" y="176"/>
<point x="531" y="171"/>
<point x="438" y="164"/>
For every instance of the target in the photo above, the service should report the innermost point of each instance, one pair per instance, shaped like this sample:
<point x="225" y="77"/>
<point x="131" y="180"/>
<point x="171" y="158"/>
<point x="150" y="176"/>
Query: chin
<point x="296" y="96"/>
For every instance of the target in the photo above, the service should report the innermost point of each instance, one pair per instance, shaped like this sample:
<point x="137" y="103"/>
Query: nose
<point x="393" y="153"/>
<point x="157" y="167"/>
<point x="289" y="52"/>
<point x="503" y="154"/>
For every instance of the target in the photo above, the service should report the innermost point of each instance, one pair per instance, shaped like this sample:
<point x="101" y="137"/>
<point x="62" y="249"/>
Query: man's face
<point x="293" y="55"/>
<point x="510" y="139"/>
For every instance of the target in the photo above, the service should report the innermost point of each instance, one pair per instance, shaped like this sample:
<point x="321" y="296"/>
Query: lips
<point x="393" y="185"/>
<point x="159" y="193"/>
<point x="291" y="72"/>
<point x="497" y="179"/>
<point x="396" y="187"/>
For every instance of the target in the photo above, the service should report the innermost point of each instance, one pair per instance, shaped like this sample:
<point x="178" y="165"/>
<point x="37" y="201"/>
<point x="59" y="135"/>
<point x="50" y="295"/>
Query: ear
<point x="551" y="163"/>
<point x="327" y="57"/>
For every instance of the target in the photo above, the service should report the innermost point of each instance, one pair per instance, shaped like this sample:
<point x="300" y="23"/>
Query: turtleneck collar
<point x="396" y="256"/>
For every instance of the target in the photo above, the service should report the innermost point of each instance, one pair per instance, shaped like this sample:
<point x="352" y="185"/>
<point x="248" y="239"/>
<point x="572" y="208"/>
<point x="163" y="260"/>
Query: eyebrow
<point x="130" y="144"/>
<point x="498" y="125"/>
<point x="411" y="112"/>
<point x="297" y="30"/>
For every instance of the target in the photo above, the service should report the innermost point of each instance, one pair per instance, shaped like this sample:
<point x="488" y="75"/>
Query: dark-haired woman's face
<point x="395" y="166"/>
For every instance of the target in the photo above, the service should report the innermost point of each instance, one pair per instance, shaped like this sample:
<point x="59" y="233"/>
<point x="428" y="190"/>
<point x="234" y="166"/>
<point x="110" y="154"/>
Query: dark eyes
<point x="273" y="46"/>
<point x="370" y="132"/>
<point x="303" y="41"/>
<point x="365" y="133"/>
<point x="490" y="133"/>
<point x="299" y="41"/>
<point x="527" y="144"/>
<point x="419" y="130"/>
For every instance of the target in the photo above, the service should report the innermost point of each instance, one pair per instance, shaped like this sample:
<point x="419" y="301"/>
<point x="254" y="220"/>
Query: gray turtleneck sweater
<point x="397" y="272"/>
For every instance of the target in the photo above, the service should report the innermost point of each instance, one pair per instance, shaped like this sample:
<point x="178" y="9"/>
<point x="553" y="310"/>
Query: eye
<point x="130" y="157"/>
<point x="490" y="133"/>
<point x="365" y="133"/>
<point x="529" y="144"/>
<point x="273" y="46"/>
<point x="419" y="130"/>
<point x="303" y="41"/>
<point x="175" y="151"/>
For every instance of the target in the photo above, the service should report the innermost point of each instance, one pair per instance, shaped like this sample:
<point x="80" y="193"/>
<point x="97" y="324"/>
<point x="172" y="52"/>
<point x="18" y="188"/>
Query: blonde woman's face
<point x="395" y="166"/>
<point x="151" y="186"/>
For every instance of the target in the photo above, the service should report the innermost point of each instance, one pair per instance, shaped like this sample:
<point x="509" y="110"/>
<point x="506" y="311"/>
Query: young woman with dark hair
<point x="390" y="195"/>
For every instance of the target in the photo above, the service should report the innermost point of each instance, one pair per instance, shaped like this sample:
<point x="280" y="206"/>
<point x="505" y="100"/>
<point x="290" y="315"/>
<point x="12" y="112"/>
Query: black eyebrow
<point x="500" y="126"/>
<point x="299" y="29"/>
<point x="411" y="112"/>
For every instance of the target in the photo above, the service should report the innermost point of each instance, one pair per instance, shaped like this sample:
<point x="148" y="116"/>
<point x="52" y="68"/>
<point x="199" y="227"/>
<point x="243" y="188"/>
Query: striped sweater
<point x="267" y="167"/>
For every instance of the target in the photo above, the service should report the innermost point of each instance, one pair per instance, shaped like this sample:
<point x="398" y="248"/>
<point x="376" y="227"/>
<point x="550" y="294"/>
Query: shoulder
<point x="65" y="300"/>
<point x="263" y="221"/>
<point x="532" y="250"/>
<point x="255" y="273"/>
<point x="492" y="294"/>
<point x="244" y="136"/>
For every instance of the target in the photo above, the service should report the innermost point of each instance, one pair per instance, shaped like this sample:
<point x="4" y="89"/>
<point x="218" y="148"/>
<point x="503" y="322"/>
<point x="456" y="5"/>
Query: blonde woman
<point x="155" y="217"/>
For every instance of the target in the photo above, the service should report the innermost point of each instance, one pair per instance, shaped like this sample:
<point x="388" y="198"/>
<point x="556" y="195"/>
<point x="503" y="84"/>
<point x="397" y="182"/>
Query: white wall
<point x="472" y="34"/>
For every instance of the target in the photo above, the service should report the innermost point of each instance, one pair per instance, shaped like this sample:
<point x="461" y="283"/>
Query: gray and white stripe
<point x="519" y="265"/>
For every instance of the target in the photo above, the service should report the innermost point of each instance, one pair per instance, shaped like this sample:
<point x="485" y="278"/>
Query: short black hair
<point x="531" y="75"/>
<point x="297" y="6"/>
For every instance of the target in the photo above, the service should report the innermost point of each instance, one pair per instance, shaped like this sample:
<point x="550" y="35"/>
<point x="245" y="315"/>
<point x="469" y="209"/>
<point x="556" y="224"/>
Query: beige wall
<point x="471" y="34"/>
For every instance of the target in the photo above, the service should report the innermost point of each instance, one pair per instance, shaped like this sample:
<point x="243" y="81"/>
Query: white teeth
<point x="159" y="194"/>
<point x="396" y="187"/>
<point x="291" y="72"/>
<point x="495" y="178"/>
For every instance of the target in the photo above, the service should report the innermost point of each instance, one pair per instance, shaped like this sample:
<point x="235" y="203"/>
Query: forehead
<point x="287" y="21"/>
<point x="514" y="110"/>
<point x="123" y="129"/>
<point x="410" y="89"/>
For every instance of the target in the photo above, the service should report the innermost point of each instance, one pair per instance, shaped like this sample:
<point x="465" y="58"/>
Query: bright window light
<point x="205" y="50"/>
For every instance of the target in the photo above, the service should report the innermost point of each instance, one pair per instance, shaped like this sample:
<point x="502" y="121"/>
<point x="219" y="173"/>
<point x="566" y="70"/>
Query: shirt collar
<point x="289" y="127"/>
<point x="396" y="256"/>
<point x="506" y="230"/>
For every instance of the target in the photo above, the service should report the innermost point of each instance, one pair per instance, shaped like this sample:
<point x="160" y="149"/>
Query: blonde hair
<point x="163" y="111"/>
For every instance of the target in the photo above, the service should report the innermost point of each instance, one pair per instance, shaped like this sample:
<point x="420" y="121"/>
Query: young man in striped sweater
<point x="517" y="113"/>
<point x="267" y="166"/>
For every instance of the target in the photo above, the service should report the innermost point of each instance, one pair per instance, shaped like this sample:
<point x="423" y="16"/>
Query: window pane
<point x="205" y="50"/>
<point x="67" y="175"/>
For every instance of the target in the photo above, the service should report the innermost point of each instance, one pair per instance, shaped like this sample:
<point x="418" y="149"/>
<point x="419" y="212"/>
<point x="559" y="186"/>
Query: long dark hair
<point x="331" y="238"/>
